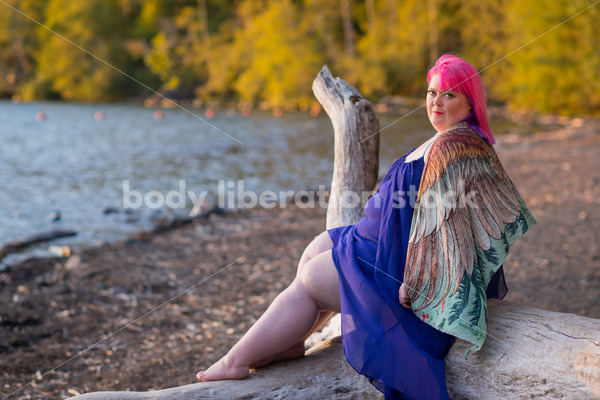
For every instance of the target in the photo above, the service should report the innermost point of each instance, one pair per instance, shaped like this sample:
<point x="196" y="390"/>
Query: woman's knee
<point x="319" y="279"/>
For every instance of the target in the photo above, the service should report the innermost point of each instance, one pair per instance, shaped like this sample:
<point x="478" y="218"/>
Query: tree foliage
<point x="18" y="44"/>
<point x="270" y="50"/>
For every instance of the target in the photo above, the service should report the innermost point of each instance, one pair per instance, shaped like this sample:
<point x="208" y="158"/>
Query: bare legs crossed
<point x="293" y="316"/>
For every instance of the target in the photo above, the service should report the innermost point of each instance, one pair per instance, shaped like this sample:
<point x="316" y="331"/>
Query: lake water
<point x="74" y="165"/>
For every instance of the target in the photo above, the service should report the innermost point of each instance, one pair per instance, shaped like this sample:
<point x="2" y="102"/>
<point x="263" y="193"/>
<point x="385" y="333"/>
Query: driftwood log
<point x="529" y="353"/>
<point x="15" y="245"/>
<point x="356" y="148"/>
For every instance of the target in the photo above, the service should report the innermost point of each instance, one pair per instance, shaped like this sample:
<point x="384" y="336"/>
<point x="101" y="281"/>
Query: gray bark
<point x="345" y="11"/>
<point x="203" y="15"/>
<point x="356" y="147"/>
<point x="370" y="10"/>
<point x="432" y="14"/>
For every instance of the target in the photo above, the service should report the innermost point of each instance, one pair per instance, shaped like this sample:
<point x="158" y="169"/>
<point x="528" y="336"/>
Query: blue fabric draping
<point x="401" y="355"/>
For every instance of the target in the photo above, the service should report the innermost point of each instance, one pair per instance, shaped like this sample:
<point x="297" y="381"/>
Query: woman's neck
<point x="422" y="149"/>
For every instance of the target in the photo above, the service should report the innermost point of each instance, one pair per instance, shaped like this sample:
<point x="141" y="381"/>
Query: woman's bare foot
<point x="222" y="370"/>
<point x="296" y="351"/>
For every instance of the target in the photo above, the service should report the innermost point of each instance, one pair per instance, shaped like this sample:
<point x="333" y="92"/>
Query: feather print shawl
<point x="467" y="215"/>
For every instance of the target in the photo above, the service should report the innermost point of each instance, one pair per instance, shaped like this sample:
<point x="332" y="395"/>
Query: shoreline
<point x="236" y="263"/>
<point x="28" y="248"/>
<point x="162" y="219"/>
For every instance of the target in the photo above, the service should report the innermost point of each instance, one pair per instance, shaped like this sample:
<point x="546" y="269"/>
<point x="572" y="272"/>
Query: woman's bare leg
<point x="298" y="349"/>
<point x="288" y="320"/>
<point x="320" y="244"/>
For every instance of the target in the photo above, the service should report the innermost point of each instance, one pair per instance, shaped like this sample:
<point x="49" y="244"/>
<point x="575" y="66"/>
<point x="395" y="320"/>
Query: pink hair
<point x="458" y="75"/>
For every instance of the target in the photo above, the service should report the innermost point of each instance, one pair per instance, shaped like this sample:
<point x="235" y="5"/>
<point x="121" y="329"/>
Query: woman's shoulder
<point x="458" y="142"/>
<point x="456" y="149"/>
<point x="462" y="132"/>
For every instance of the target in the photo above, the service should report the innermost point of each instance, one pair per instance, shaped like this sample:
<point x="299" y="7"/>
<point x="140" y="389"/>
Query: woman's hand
<point x="404" y="299"/>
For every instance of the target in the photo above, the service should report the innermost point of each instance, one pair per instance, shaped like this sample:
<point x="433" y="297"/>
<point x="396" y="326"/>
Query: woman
<point x="415" y="272"/>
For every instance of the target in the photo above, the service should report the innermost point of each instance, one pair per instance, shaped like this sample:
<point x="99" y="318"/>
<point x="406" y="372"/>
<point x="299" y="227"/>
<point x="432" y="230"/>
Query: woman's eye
<point x="449" y="94"/>
<point x="430" y="93"/>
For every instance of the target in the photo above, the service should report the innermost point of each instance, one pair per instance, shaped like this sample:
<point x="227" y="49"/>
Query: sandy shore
<point x="220" y="273"/>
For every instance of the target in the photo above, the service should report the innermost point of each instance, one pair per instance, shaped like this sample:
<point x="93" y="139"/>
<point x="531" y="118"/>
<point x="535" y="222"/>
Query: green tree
<point x="394" y="53"/>
<point x="270" y="50"/>
<point x="483" y="35"/>
<point x="283" y="60"/>
<point x="18" y="43"/>
<point x="268" y="56"/>
<point x="70" y="72"/>
<point x="556" y="72"/>
<point x="180" y="53"/>
<point x="176" y="55"/>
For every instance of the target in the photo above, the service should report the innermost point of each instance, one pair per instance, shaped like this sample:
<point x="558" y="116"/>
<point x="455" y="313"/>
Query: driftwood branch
<point x="15" y="245"/>
<point x="356" y="146"/>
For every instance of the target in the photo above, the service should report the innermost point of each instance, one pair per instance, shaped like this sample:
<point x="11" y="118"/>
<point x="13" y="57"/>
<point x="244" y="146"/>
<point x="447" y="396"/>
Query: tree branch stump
<point x="356" y="147"/>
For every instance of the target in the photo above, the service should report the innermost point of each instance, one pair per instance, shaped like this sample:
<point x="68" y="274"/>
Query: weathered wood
<point x="529" y="354"/>
<point x="356" y="147"/>
<point x="19" y="244"/>
<point x="322" y="374"/>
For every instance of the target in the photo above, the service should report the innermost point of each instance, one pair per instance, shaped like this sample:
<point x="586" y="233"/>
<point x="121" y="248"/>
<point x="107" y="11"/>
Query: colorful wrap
<point x="467" y="215"/>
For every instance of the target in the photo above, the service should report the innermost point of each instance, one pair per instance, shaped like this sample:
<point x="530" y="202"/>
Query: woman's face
<point x="445" y="108"/>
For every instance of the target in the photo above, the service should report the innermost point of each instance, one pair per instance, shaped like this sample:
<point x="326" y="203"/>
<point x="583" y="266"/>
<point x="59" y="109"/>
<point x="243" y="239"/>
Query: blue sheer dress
<point x="401" y="355"/>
